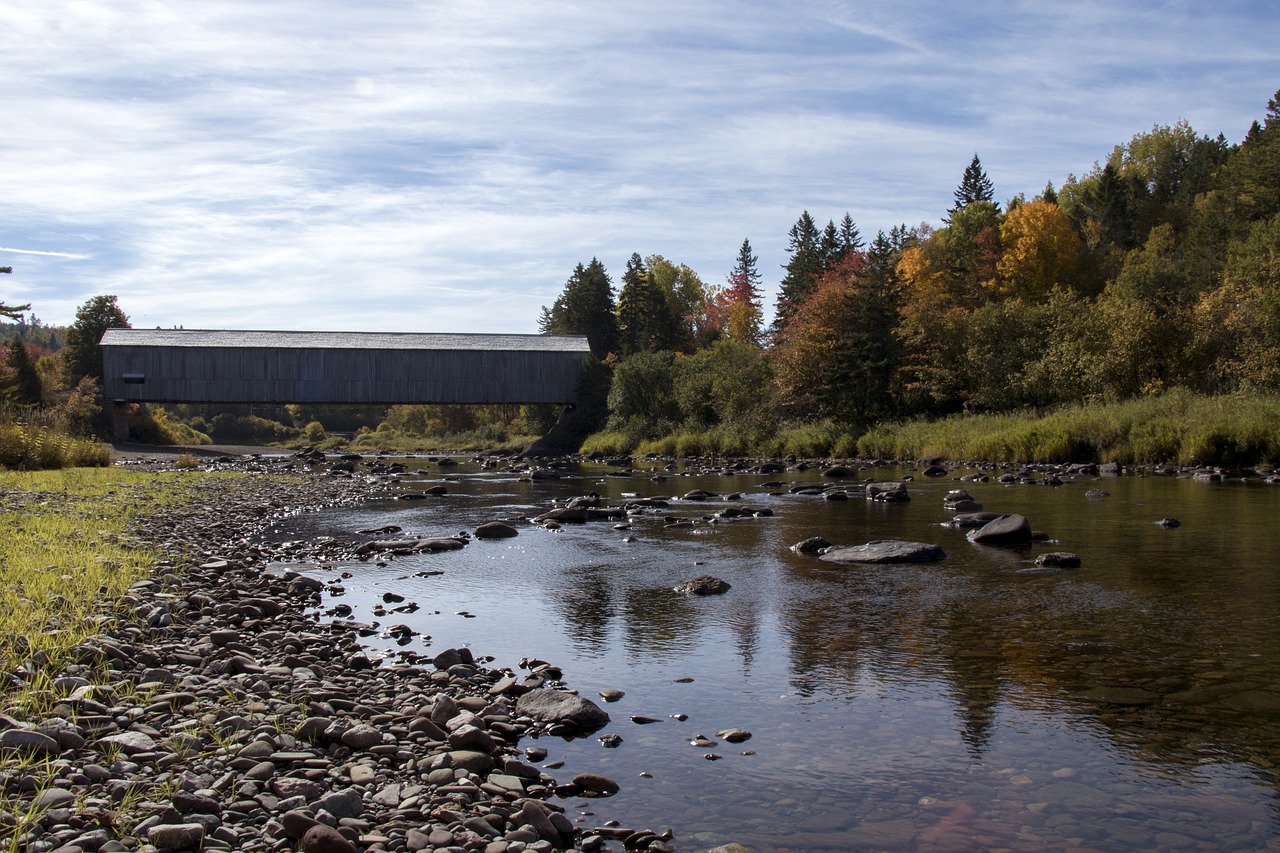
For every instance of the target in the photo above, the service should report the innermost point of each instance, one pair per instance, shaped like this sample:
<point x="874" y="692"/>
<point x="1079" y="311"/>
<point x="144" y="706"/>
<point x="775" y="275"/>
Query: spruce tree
<point x="743" y="295"/>
<point x="850" y="237"/>
<point x="974" y="186"/>
<point x="585" y="307"/>
<point x="803" y="269"/>
<point x="644" y="317"/>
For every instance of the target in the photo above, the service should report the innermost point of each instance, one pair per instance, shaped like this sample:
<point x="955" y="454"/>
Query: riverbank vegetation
<point x="67" y="558"/>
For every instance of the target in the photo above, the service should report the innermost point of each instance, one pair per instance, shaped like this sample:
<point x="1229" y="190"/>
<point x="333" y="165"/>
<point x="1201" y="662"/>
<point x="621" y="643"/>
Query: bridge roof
<point x="233" y="339"/>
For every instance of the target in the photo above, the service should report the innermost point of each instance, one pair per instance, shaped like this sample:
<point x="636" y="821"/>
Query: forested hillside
<point x="1157" y="270"/>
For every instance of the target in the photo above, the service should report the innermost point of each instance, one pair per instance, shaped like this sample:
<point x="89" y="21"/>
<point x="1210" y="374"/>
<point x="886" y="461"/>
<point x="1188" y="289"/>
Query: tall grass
<point x="1175" y="428"/>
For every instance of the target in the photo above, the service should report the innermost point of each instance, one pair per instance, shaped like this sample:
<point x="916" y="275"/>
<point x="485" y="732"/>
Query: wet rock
<point x="593" y="784"/>
<point x="1169" y="521"/>
<point x="887" y="492"/>
<point x="812" y="545"/>
<point x="611" y="695"/>
<point x="703" y="585"/>
<point x="734" y="735"/>
<point x="1059" y="560"/>
<point x="1008" y="530"/>
<point x="885" y="551"/>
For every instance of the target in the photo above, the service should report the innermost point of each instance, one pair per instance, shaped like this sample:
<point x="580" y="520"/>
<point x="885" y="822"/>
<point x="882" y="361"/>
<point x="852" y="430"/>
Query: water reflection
<point x="1128" y="704"/>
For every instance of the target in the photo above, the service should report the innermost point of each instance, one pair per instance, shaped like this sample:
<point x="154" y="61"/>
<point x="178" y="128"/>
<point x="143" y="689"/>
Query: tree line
<point x="1158" y="269"/>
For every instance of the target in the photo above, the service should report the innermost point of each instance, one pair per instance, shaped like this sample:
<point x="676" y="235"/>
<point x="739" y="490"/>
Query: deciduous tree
<point x="1039" y="249"/>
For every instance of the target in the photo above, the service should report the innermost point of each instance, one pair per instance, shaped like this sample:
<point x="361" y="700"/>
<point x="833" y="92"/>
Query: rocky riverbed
<point x="219" y="710"/>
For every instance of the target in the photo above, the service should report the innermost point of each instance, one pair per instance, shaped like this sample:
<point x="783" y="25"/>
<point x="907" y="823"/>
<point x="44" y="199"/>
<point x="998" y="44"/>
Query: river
<point x="971" y="704"/>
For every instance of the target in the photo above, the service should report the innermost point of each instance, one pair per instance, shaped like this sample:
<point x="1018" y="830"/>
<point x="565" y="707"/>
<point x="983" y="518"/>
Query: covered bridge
<point x="195" y="366"/>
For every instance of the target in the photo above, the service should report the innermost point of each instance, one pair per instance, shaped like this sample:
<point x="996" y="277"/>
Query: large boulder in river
<point x="891" y="492"/>
<point x="1007" y="530"/>
<point x="885" y="551"/>
<point x="559" y="707"/>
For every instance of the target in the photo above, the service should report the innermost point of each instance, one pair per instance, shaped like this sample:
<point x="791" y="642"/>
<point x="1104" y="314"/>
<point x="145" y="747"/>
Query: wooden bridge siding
<point x="251" y="375"/>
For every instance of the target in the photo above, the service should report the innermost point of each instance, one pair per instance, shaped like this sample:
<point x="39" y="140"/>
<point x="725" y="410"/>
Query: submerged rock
<point x="1059" y="560"/>
<point x="885" y="551"/>
<point x="703" y="585"/>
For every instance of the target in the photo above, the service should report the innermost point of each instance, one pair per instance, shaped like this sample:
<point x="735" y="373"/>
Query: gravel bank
<point x="218" y="712"/>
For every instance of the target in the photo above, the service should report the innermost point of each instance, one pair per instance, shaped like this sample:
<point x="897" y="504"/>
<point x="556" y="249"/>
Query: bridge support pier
<point x="120" y="420"/>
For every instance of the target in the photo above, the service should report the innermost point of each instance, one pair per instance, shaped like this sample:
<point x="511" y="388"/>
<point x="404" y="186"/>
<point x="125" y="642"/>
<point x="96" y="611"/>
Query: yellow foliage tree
<point x="1040" y="250"/>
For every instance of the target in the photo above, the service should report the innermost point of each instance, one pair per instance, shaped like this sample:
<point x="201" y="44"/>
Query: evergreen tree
<point x="13" y="312"/>
<point x="585" y="307"/>
<point x="830" y="248"/>
<point x="803" y="269"/>
<point x="743" y="295"/>
<point x="645" y="322"/>
<point x="82" y="355"/>
<point x="24" y="388"/>
<point x="850" y="238"/>
<point x="974" y="186"/>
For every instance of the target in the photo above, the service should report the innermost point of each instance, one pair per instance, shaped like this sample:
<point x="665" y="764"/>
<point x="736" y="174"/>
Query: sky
<point x="401" y="165"/>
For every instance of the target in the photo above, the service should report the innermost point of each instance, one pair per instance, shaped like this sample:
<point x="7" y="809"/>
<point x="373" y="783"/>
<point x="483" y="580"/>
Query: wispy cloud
<point x="67" y="255"/>
<point x="420" y="165"/>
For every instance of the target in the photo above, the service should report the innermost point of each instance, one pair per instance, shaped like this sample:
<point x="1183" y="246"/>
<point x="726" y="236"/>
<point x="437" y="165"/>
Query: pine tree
<point x="974" y="186"/>
<point x="13" y="312"/>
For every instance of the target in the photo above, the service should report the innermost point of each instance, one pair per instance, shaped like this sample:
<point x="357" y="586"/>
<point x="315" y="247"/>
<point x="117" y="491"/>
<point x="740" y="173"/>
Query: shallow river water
<point x="971" y="704"/>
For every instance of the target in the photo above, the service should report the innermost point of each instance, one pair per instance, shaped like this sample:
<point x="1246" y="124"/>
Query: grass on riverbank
<point x="481" y="438"/>
<point x="67" y="558"/>
<point x="1175" y="428"/>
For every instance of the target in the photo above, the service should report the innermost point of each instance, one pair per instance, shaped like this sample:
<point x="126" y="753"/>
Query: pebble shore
<point x="219" y="711"/>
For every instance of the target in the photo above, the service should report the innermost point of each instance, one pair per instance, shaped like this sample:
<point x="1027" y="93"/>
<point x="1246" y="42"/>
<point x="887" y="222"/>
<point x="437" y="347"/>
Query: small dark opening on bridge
<point x="134" y="378"/>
